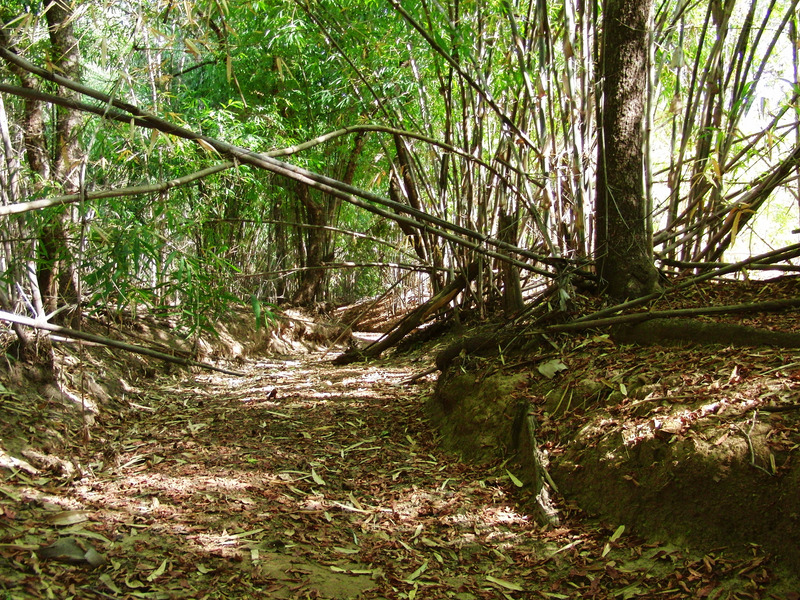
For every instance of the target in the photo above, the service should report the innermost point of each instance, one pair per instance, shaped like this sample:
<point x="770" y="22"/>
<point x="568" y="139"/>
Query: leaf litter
<point x="304" y="480"/>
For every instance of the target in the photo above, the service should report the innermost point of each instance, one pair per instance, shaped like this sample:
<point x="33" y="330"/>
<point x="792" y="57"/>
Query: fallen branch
<point x="419" y="375"/>
<point x="786" y="253"/>
<point x="667" y="331"/>
<point x="669" y="325"/>
<point x="638" y="317"/>
<point x="81" y="335"/>
<point x="412" y="320"/>
<point x="349" y="326"/>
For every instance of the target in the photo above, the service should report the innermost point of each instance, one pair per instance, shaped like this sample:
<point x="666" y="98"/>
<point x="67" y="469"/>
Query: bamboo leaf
<point x="158" y="572"/>
<point x="192" y="48"/>
<point x="317" y="479"/>
<point x="418" y="572"/>
<point x="514" y="480"/>
<point x="617" y="534"/>
<point x="68" y="517"/>
<point x="506" y="584"/>
<point x="206" y="146"/>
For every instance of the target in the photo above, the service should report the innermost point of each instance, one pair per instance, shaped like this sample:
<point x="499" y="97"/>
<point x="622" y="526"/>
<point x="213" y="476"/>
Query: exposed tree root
<point x="665" y="331"/>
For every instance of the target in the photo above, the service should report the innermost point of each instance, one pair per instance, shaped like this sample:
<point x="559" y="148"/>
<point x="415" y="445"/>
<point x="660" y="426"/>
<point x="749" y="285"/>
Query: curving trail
<point x="304" y="480"/>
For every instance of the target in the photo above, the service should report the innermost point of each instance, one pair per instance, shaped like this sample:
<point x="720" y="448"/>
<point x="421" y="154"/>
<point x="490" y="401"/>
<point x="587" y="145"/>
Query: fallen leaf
<point x="158" y="572"/>
<point x="133" y="583"/>
<point x="109" y="583"/>
<point x="620" y="530"/>
<point x="514" y="480"/>
<point x="317" y="479"/>
<point x="551" y="368"/>
<point x="68" y="517"/>
<point x="68" y="550"/>
<point x="506" y="584"/>
<point x="250" y="533"/>
<point x="418" y="572"/>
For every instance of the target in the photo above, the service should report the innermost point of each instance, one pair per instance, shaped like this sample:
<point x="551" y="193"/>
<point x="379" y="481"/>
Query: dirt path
<point x="303" y="480"/>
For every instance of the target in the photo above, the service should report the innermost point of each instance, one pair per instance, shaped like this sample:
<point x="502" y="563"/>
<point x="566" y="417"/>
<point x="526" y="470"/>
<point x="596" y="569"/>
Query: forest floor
<point x="304" y="480"/>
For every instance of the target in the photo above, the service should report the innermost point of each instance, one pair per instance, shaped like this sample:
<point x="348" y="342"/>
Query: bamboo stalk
<point x="104" y="341"/>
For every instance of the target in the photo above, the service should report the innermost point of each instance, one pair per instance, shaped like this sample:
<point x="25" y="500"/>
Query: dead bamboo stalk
<point x="89" y="337"/>
<point x="414" y="318"/>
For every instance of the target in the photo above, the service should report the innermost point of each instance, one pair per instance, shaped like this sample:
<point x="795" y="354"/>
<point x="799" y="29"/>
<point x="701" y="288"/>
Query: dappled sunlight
<point x="728" y="402"/>
<point x="326" y="468"/>
<point x="310" y="477"/>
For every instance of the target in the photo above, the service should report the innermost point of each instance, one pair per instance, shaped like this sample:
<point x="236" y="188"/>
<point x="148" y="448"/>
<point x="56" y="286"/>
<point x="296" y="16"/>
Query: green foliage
<point x="269" y="74"/>
<point x="262" y="313"/>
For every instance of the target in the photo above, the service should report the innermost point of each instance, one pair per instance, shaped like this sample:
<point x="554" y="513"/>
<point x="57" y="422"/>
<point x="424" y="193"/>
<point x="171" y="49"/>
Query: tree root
<point x="671" y="331"/>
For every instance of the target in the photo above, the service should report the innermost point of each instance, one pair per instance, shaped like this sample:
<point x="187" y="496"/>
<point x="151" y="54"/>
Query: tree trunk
<point x="512" y="288"/>
<point x="623" y="243"/>
<point x="312" y="277"/>
<point x="58" y="280"/>
<point x="320" y="213"/>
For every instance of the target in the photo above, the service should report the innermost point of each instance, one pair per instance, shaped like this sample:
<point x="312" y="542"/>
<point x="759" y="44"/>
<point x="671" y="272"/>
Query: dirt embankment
<point x="695" y="444"/>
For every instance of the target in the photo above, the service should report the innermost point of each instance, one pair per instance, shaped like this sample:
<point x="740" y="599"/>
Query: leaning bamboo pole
<point x="111" y="343"/>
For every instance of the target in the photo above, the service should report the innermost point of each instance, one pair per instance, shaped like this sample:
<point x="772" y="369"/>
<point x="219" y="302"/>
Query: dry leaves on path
<point x="303" y="480"/>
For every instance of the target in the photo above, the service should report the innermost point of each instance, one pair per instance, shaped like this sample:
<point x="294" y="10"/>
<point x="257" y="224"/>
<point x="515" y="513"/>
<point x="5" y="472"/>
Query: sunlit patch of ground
<point x="303" y="480"/>
<point x="300" y="477"/>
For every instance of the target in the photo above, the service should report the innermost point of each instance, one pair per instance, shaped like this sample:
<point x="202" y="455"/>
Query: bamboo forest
<point x="400" y="299"/>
